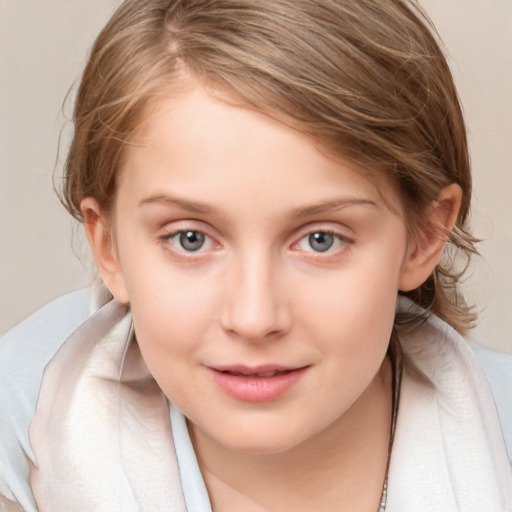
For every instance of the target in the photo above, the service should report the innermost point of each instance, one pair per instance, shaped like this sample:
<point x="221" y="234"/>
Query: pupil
<point x="191" y="240"/>
<point x="321" y="242"/>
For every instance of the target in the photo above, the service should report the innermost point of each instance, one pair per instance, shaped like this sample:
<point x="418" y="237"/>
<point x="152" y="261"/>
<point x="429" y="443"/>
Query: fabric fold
<point x="103" y="441"/>
<point x="449" y="453"/>
<point x="101" y="434"/>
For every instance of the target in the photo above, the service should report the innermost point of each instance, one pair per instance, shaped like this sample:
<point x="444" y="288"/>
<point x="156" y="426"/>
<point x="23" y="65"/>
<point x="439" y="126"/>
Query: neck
<point x="341" y="468"/>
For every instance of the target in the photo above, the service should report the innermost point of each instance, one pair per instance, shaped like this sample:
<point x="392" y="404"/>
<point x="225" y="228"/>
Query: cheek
<point x="168" y="330"/>
<point x="354" y="339"/>
<point x="172" y="312"/>
<point x="360" y="296"/>
<point x="353" y="313"/>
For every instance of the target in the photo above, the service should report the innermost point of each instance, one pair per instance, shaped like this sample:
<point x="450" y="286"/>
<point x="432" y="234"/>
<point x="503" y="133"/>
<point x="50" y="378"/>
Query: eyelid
<point x="333" y="228"/>
<point x="175" y="228"/>
<point x="173" y="234"/>
<point x="335" y="235"/>
<point x="346" y="242"/>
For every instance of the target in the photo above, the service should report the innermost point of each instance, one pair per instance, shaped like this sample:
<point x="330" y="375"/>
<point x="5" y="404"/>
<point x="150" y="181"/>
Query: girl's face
<point x="262" y="274"/>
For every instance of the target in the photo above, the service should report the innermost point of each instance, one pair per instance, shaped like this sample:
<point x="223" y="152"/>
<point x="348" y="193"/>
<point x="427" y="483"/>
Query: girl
<point x="274" y="193"/>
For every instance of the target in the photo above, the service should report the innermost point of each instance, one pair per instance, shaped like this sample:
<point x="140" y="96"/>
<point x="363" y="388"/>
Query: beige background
<point x="42" y="49"/>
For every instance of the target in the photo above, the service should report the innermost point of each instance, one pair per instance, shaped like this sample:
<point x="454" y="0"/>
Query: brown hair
<point x="366" y="79"/>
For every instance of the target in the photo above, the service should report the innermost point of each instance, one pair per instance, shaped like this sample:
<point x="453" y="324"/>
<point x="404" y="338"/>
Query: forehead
<point x="221" y="149"/>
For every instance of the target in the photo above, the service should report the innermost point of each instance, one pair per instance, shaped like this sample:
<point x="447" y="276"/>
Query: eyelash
<point x="329" y="253"/>
<point x="182" y="253"/>
<point x="190" y="255"/>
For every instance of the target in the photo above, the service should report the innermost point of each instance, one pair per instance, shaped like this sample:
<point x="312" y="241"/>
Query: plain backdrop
<point x="43" y="45"/>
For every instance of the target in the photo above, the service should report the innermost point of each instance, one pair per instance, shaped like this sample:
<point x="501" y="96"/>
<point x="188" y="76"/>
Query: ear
<point x="425" y="250"/>
<point x="103" y="248"/>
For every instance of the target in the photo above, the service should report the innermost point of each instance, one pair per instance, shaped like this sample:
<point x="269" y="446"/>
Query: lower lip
<point x="257" y="389"/>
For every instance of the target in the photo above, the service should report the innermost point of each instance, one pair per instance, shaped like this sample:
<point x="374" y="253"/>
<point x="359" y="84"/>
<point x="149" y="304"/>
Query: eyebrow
<point x="184" y="204"/>
<point x="329" y="206"/>
<point x="304" y="211"/>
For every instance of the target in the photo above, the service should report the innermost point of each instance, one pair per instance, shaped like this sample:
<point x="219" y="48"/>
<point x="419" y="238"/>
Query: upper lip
<point x="250" y="370"/>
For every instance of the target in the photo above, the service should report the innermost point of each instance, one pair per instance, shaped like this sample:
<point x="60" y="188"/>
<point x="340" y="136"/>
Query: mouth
<point x="266" y="374"/>
<point x="256" y="384"/>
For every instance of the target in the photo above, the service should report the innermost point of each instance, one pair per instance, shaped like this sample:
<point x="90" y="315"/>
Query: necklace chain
<point x="395" y="353"/>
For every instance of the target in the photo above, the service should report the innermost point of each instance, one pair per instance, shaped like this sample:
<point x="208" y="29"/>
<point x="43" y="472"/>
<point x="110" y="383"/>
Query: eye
<point x="189" y="240"/>
<point x="321" y="241"/>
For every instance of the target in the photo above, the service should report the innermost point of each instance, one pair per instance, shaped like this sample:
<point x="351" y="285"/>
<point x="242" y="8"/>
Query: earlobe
<point x="103" y="249"/>
<point x="426" y="248"/>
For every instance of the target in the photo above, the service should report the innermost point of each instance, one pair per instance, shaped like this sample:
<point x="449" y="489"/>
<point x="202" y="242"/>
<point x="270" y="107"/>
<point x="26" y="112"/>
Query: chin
<point x="261" y="446"/>
<point x="261" y="440"/>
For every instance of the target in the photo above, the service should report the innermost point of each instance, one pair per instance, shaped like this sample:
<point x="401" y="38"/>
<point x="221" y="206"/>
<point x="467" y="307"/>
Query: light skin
<point x="292" y="260"/>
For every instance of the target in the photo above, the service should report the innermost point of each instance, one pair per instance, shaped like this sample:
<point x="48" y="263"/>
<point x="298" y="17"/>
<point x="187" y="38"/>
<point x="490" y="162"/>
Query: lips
<point x="256" y="384"/>
<point x="264" y="374"/>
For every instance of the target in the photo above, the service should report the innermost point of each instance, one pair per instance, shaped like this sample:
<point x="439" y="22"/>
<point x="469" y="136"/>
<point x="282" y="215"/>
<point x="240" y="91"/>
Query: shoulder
<point x="25" y="350"/>
<point x="478" y="376"/>
<point x="497" y="367"/>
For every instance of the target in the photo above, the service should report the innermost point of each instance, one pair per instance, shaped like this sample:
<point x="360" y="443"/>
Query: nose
<point x="255" y="307"/>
